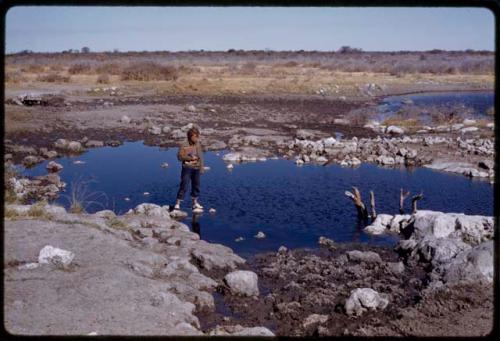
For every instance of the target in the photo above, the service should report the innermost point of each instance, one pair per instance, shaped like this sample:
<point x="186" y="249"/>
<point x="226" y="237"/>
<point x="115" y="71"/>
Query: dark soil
<point x="297" y="283"/>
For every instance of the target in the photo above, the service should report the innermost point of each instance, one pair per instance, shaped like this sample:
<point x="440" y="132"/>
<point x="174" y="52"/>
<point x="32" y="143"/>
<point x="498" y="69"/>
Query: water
<point x="479" y="102"/>
<point x="292" y="205"/>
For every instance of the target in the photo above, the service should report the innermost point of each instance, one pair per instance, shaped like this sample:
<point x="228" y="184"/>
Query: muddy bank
<point x="362" y="290"/>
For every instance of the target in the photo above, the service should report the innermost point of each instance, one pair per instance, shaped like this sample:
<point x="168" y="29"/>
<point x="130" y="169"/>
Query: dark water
<point x="292" y="205"/>
<point x="477" y="101"/>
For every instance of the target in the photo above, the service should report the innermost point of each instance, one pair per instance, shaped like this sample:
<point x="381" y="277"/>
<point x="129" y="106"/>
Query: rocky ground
<point x="104" y="270"/>
<point x="438" y="280"/>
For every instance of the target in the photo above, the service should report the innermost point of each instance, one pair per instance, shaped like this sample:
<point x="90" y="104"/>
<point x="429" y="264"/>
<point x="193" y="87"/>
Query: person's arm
<point x="182" y="156"/>
<point x="200" y="155"/>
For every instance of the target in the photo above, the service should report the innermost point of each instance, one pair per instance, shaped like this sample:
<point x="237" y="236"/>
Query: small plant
<point x="149" y="71"/>
<point x="77" y="69"/>
<point x="37" y="210"/>
<point x="81" y="198"/>
<point x="115" y="223"/>
<point x="103" y="79"/>
<point x="53" y="78"/>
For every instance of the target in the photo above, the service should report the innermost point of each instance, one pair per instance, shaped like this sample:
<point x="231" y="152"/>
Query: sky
<point x="52" y="29"/>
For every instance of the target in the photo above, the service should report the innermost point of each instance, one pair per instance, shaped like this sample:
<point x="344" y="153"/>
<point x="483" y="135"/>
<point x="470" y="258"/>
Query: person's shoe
<point x="196" y="205"/>
<point x="177" y="205"/>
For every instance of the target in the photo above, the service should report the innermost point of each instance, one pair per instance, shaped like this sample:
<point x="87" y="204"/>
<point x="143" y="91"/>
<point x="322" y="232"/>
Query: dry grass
<point x="53" y="78"/>
<point x="149" y="71"/>
<point x="117" y="224"/>
<point x="103" y="79"/>
<point x="78" y="69"/>
<point x="408" y="123"/>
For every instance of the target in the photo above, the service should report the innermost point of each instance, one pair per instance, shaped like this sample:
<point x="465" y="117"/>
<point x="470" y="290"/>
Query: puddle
<point x="292" y="205"/>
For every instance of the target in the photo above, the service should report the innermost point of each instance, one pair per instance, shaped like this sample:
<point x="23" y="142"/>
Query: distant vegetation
<point x="164" y="65"/>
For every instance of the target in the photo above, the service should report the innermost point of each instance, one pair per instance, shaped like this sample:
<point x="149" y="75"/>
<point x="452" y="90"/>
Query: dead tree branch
<point x="402" y="198"/>
<point x="372" y="204"/>
<point x="414" y="200"/>
<point x="358" y="202"/>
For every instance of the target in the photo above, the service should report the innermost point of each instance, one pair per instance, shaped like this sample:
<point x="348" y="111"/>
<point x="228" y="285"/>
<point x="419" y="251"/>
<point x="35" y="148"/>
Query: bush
<point x="33" y="68"/>
<point x="149" y="71"/>
<point x="53" y="78"/>
<point x="103" y="79"/>
<point x="109" y="69"/>
<point x="77" y="69"/>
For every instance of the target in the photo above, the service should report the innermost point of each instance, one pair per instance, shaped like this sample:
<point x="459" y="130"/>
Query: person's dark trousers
<point x="193" y="175"/>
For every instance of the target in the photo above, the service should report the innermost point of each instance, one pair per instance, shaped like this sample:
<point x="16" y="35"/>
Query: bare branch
<point x="402" y="198"/>
<point x="358" y="202"/>
<point x="414" y="200"/>
<point x="372" y="204"/>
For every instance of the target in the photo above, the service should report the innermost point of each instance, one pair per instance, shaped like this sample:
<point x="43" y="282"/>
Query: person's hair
<point x="193" y="131"/>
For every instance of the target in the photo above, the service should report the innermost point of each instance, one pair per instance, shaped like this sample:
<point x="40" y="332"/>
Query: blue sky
<point x="48" y="29"/>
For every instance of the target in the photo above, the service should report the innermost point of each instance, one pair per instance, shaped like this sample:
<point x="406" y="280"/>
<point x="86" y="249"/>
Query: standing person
<point x="191" y="156"/>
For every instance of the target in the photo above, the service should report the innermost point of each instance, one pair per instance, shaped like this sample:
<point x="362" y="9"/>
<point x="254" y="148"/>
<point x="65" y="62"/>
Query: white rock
<point x="230" y="166"/>
<point x="78" y="162"/>
<point x="28" y="266"/>
<point x="146" y="193"/>
<point x="395" y="130"/>
<point x="239" y="239"/>
<point x="74" y="146"/>
<point x="469" y="122"/>
<point x="469" y="130"/>
<point x="155" y="130"/>
<point x="329" y="142"/>
<point x="364" y="299"/>
<point x="53" y="166"/>
<point x="242" y="282"/>
<point x="212" y="210"/>
<point x="299" y="162"/>
<point x="314" y="319"/>
<point x="50" y="254"/>
<point x="191" y="108"/>
<point x="260" y="235"/>
<point x="164" y="165"/>
<point x="125" y="119"/>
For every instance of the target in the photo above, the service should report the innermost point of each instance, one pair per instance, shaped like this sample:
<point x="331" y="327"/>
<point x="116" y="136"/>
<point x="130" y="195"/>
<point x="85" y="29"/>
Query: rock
<point x="74" y="146"/>
<point x="177" y="134"/>
<point x="399" y="223"/>
<point x="56" y="256"/>
<point x="191" y="108"/>
<point x="314" y="319"/>
<point x="379" y="225"/>
<point x="211" y="256"/>
<point x="78" y="162"/>
<point x="61" y="143"/>
<point x="385" y="160"/>
<point x="475" y="229"/>
<point x="299" y="162"/>
<point x="125" y="119"/>
<point x="166" y="130"/>
<point x="304" y="134"/>
<point x="486" y="164"/>
<point x="329" y="142"/>
<point x="472" y="265"/>
<point x="54" y="167"/>
<point x="51" y="154"/>
<point x="164" y="165"/>
<point x="491" y="125"/>
<point x="456" y="127"/>
<point x="30" y="160"/>
<point x="341" y="121"/>
<point x="241" y="331"/>
<point x="260" y="235"/>
<point x="364" y="299"/>
<point x="438" y="251"/>
<point x="178" y="214"/>
<point x="329" y="243"/>
<point x="94" y="144"/>
<point x="242" y="283"/>
<point x="212" y="210"/>
<point x="469" y="122"/>
<point x="394" y="130"/>
<point x="366" y="256"/>
<point x="151" y="210"/>
<point x="239" y="239"/>
<point x="396" y="268"/>
<point x="155" y="130"/>
<point x="28" y="266"/>
<point x="469" y="130"/>
<point x="230" y="166"/>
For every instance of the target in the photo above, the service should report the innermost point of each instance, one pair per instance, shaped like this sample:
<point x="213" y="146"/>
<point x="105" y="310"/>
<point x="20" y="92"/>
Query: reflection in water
<point x="195" y="224"/>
